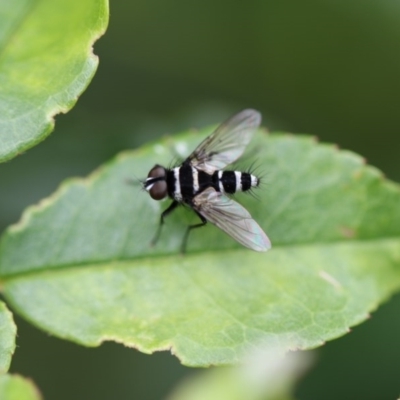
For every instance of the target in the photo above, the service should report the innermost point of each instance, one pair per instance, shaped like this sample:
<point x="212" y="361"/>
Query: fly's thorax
<point x="185" y="182"/>
<point x="182" y="182"/>
<point x="235" y="181"/>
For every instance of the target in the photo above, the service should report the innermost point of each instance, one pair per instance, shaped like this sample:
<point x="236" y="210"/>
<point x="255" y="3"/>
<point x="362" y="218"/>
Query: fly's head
<point x="156" y="183"/>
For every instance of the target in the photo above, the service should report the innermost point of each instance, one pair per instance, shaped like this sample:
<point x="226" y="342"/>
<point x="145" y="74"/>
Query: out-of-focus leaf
<point x="8" y="331"/>
<point x="46" y="62"/>
<point x="15" y="387"/>
<point x="265" y="375"/>
<point x="79" y="264"/>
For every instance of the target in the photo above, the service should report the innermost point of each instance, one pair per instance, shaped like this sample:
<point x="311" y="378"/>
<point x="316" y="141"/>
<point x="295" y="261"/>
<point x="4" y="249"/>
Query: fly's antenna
<point x="135" y="181"/>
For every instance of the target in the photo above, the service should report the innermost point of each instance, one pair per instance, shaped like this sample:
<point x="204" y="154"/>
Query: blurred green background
<point x="323" y="67"/>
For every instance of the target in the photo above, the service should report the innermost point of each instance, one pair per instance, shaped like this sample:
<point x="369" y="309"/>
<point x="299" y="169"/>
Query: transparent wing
<point x="232" y="218"/>
<point x="227" y="143"/>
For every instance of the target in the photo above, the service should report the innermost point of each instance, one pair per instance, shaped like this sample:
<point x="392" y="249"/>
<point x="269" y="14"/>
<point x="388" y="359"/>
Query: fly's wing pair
<point x="220" y="149"/>
<point x="232" y="218"/>
<point x="227" y="143"/>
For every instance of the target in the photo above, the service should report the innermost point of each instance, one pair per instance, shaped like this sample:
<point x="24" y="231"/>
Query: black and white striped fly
<point x="201" y="184"/>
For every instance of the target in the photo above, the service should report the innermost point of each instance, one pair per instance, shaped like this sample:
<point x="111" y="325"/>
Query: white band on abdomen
<point x="238" y="176"/>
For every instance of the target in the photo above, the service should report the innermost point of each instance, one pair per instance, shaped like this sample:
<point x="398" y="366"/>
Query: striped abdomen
<point x="234" y="181"/>
<point x="185" y="182"/>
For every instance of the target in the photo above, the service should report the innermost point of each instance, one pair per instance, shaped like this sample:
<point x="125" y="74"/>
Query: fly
<point x="201" y="183"/>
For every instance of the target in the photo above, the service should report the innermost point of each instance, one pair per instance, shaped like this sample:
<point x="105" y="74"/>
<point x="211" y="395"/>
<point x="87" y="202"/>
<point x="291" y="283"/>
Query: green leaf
<point x="46" y="62"/>
<point x="8" y="331"/>
<point x="265" y="375"/>
<point x="15" y="387"/>
<point x="79" y="264"/>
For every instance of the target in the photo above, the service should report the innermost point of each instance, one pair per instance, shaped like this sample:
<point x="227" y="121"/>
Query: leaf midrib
<point x="104" y="263"/>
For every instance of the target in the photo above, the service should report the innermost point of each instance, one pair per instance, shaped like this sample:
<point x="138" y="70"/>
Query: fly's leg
<point x="171" y="208"/>
<point x="189" y="228"/>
